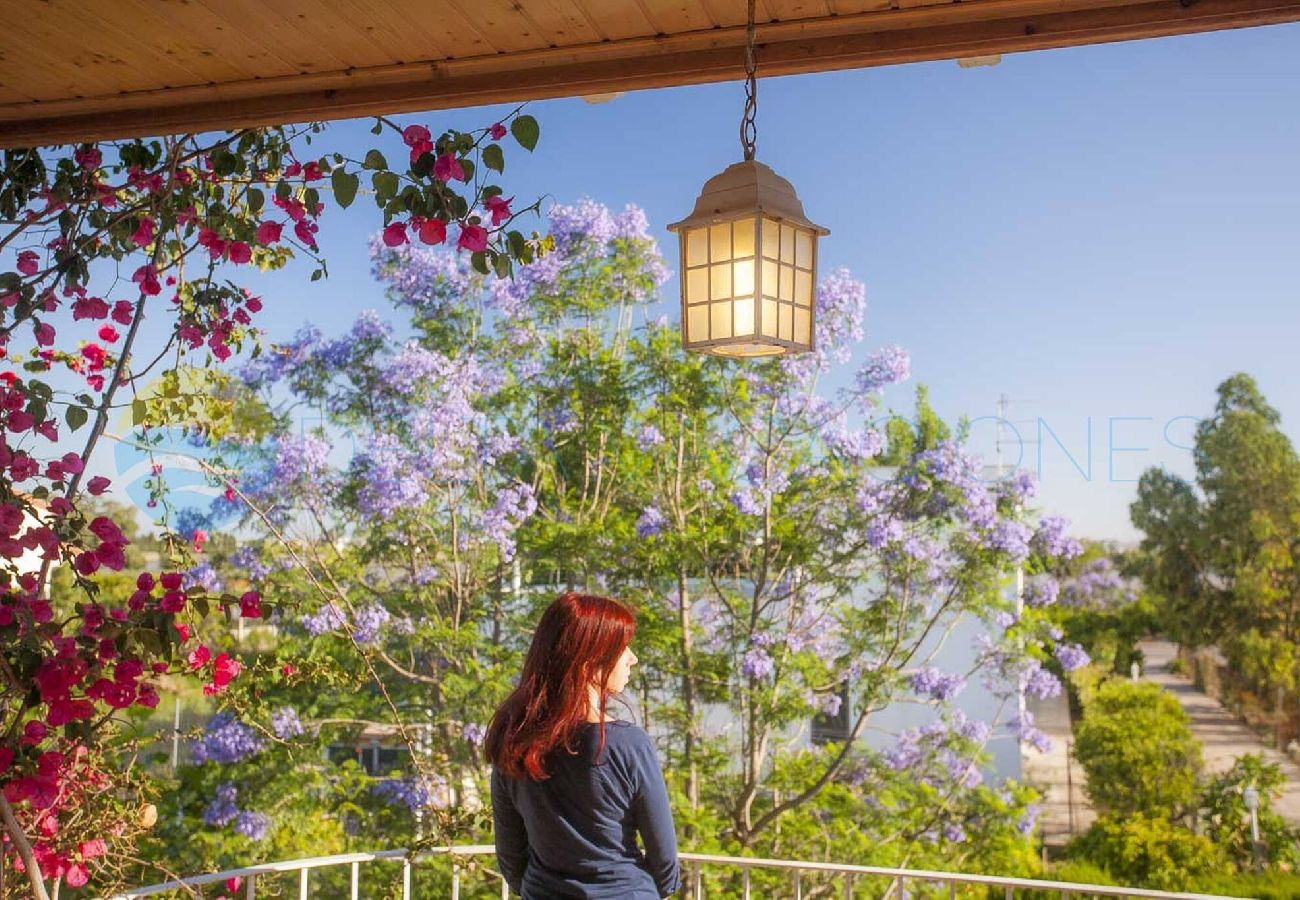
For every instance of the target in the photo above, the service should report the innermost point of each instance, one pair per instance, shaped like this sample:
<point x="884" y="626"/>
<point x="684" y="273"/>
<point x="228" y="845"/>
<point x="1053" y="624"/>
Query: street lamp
<point x="748" y="255"/>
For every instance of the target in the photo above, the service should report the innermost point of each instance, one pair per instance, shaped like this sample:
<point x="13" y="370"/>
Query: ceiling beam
<point x="887" y="37"/>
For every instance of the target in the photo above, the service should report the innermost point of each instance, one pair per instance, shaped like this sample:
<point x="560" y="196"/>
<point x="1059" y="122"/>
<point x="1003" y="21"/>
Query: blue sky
<point x="1102" y="234"/>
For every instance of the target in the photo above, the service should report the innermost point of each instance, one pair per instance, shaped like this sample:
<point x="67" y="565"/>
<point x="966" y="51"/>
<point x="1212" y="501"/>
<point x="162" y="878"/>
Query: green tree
<point x="1149" y="851"/>
<point x="923" y="431"/>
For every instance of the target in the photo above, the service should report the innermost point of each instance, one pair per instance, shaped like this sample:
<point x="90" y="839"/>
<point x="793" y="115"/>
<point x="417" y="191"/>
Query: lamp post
<point x="748" y="266"/>
<point x="1250" y="796"/>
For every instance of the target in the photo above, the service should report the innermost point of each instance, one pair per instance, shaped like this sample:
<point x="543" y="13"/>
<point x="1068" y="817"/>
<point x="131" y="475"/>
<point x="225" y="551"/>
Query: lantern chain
<point x="748" y="128"/>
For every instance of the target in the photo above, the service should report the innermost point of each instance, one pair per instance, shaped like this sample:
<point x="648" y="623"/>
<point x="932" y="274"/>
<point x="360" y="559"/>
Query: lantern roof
<point x="747" y="187"/>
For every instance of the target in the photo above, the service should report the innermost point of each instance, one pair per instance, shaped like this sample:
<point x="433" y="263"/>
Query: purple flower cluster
<point x="413" y="793"/>
<point x="1040" y="591"/>
<point x="1026" y="732"/>
<point x="1010" y="537"/>
<point x="300" y="461"/>
<point x="1099" y="586"/>
<point x="746" y="501"/>
<point x="329" y="618"/>
<point x="253" y="825"/>
<point x="368" y="621"/>
<point x="889" y="365"/>
<point x="429" y="282"/>
<point x="1051" y="538"/>
<point x="204" y="577"/>
<point x="281" y="360"/>
<point x="852" y="443"/>
<point x="285" y="723"/>
<point x="475" y="733"/>
<point x="1071" y="656"/>
<point x="757" y="664"/>
<point x="250" y="560"/>
<point x="937" y="685"/>
<point x="222" y="810"/>
<point x="1038" y="682"/>
<point x="392" y="478"/>
<point x="937" y="753"/>
<point x="648" y="436"/>
<point x="514" y="505"/>
<point x="226" y="740"/>
<point x="651" y="522"/>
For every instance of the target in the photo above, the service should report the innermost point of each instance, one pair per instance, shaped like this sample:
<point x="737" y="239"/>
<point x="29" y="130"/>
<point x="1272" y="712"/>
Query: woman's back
<point x="574" y="833"/>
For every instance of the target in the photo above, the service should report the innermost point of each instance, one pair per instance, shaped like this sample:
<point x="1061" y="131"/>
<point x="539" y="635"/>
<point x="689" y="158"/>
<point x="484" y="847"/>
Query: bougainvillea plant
<point x="95" y="238"/>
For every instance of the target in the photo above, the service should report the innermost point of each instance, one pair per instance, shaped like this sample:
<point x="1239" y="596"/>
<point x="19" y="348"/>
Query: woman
<point x="572" y="787"/>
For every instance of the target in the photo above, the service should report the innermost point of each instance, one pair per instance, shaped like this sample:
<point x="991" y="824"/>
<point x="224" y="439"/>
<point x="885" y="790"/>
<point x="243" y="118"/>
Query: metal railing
<point x="897" y="882"/>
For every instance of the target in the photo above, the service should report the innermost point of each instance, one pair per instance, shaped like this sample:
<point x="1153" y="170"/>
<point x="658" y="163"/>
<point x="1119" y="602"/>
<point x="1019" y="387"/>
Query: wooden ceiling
<point x="98" y="69"/>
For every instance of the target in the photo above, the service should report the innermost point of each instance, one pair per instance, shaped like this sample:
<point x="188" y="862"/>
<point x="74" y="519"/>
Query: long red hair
<point x="578" y="641"/>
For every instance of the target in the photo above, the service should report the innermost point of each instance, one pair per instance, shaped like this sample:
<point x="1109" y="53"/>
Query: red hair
<point x="578" y="641"/>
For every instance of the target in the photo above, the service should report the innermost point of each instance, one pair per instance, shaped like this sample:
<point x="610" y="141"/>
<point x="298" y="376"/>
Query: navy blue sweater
<point x="574" y="834"/>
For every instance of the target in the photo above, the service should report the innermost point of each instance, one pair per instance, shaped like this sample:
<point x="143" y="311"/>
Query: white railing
<point x="897" y="881"/>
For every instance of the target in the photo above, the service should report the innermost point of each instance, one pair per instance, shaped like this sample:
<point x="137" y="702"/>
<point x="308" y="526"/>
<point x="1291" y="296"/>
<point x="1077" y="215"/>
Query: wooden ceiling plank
<point x="787" y="10"/>
<point x="318" y="24"/>
<point x="677" y="16"/>
<point x="852" y="7"/>
<point x="194" y="29"/>
<point x="562" y="22"/>
<point x="502" y="23"/>
<point x="618" y="20"/>
<point x="885" y="38"/>
<point x="88" y="28"/>
<point x="96" y="67"/>
<point x="256" y="20"/>
<point x="453" y="33"/>
<point x="409" y="39"/>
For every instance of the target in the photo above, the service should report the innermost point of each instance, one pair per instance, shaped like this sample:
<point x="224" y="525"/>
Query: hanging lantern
<point x="748" y="255"/>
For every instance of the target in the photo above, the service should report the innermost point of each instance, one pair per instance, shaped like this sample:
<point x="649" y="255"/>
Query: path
<point x="1059" y="778"/>
<point x="1224" y="735"/>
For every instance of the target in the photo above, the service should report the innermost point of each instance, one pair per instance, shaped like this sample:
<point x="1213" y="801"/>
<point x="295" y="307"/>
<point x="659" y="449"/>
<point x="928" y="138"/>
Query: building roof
<point x="98" y="69"/>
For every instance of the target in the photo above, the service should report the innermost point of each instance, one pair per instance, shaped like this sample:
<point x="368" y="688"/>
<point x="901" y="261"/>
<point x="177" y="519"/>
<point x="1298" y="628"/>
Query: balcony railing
<point x="896" y="883"/>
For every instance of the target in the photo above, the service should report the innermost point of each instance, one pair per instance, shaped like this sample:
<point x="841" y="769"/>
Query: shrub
<point x="1224" y="817"/>
<point x="1137" y="749"/>
<point x="1149" y="852"/>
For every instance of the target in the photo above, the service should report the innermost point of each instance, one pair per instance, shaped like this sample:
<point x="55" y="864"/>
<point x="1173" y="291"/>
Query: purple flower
<point x="887" y="366"/>
<point x="1026" y="824"/>
<point x="1025" y="731"/>
<point x="1071" y="656"/>
<point x="226" y="740"/>
<point x="1038" y="682"/>
<point x="475" y="733"/>
<point x="250" y="560"/>
<point x="300" y="460"/>
<point x="285" y="723"/>
<point x="648" y="436"/>
<point x="829" y="705"/>
<point x="205" y="577"/>
<point x="954" y="832"/>
<point x="651" y="523"/>
<point x="1041" y="591"/>
<point x="413" y="793"/>
<point x="705" y="486"/>
<point x="745" y="501"/>
<point x="1051" y="539"/>
<point x="329" y="618"/>
<point x="1010" y="537"/>
<point x="222" y="810"/>
<point x="938" y="685"/>
<point x="368" y="621"/>
<point x="513" y="505"/>
<point x="757" y="664"/>
<point x="253" y="825"/>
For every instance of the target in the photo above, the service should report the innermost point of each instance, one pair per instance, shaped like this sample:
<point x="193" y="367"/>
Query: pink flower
<point x="395" y="234"/>
<point x="20" y="421"/>
<point x="414" y="134"/>
<point x="33" y="733"/>
<point x="123" y="312"/>
<point x="448" y="168"/>
<point x="108" y="333"/>
<point x="433" y="231"/>
<point x="77" y="875"/>
<point x="250" y="605"/>
<point x="499" y="207"/>
<point x="173" y="602"/>
<point x="72" y="463"/>
<point x="45" y="334"/>
<point x="269" y="232"/>
<point x="98" y="485"/>
<point x="472" y="238"/>
<point x="28" y="262"/>
<point x="144" y="232"/>
<point x="200" y="538"/>
<point x="224" y="670"/>
<point x="497" y="131"/>
<point x="89" y="308"/>
<point x="199" y="656"/>
<point x="147" y="277"/>
<point x="87" y="563"/>
<point x="240" y="252"/>
<point x="171" y="581"/>
<point x="254" y="304"/>
<point x="91" y="849"/>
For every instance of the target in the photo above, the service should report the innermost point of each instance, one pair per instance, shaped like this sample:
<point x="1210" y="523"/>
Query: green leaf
<point x="478" y="260"/>
<point x="256" y="200"/>
<point x="526" y="131"/>
<point x="493" y="158"/>
<point x="375" y="159"/>
<point x="38" y="410"/>
<point x="283" y="189"/>
<point x="345" y="187"/>
<point x="139" y="412"/>
<point x="502" y="265"/>
<point x="311" y="200"/>
<point x="76" y="417"/>
<point x="316" y="275"/>
<point x="385" y="186"/>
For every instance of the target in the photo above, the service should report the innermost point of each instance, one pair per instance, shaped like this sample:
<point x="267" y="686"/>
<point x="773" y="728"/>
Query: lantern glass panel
<point x="742" y="236"/>
<point x="783" y="329"/>
<point x="720" y="320"/>
<point x="697" y="246"/>
<point x="803" y="287"/>
<point x="803" y="250"/>
<point x="802" y="325"/>
<point x="720" y="282"/>
<point x="720" y="242"/>
<point x="786" y="291"/>
<point x="697" y="285"/>
<point x="769" y="317"/>
<point x="742" y="280"/>
<point x="771" y="239"/>
<point x="787" y="244"/>
<point x="697" y="323"/>
<point x="744" y="311"/>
